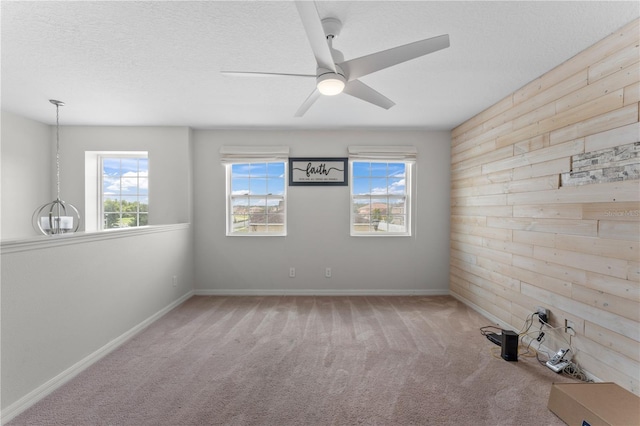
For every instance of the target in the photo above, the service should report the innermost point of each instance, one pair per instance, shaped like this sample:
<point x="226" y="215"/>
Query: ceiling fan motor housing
<point x="330" y="83"/>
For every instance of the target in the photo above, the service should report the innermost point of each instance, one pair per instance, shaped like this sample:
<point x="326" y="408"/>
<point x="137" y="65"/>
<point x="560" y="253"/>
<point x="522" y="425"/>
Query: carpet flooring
<point x="288" y="360"/>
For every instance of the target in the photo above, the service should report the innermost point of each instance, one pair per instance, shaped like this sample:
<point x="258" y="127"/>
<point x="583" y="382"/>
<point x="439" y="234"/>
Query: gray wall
<point x="169" y="165"/>
<point x="26" y="153"/>
<point x="29" y="172"/>
<point x="318" y="224"/>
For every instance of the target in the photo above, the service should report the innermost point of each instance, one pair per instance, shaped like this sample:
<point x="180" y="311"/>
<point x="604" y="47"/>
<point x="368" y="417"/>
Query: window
<point x="380" y="191"/>
<point x="116" y="189"/>
<point x="256" y="191"/>
<point x="124" y="191"/>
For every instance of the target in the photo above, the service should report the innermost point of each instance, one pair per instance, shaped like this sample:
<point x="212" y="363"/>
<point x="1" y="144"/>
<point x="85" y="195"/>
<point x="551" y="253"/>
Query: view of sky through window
<point x="127" y="178"/>
<point x="378" y="178"/>
<point x="257" y="179"/>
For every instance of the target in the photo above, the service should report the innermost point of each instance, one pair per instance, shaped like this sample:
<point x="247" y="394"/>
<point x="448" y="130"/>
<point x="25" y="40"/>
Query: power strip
<point x="558" y="362"/>
<point x="557" y="368"/>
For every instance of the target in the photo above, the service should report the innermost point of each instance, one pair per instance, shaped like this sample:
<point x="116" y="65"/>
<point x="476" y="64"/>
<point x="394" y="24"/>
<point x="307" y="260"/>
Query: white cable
<point x="573" y="370"/>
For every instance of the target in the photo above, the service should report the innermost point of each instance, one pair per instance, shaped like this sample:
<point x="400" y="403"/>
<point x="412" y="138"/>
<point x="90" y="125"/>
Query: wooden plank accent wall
<point x="521" y="239"/>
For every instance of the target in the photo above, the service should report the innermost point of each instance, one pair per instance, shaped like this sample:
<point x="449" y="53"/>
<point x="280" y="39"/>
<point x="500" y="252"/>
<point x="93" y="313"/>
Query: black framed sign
<point x="318" y="171"/>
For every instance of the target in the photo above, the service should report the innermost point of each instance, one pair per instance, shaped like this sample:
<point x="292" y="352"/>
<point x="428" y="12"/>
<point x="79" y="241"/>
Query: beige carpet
<point x="306" y="361"/>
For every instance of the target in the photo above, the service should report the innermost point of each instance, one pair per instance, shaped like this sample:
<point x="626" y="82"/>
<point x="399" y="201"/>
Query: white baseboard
<point x="45" y="389"/>
<point x="317" y="292"/>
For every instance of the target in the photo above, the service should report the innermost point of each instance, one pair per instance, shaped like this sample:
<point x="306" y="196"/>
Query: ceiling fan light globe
<point x="330" y="84"/>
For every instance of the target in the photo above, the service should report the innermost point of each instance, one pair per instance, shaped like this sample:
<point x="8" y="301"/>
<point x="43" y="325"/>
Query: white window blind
<point x="383" y="153"/>
<point x="251" y="154"/>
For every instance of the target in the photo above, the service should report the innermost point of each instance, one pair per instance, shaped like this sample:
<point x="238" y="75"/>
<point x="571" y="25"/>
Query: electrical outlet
<point x="568" y="324"/>
<point x="543" y="315"/>
<point x="327" y="273"/>
<point x="175" y="281"/>
<point x="292" y="272"/>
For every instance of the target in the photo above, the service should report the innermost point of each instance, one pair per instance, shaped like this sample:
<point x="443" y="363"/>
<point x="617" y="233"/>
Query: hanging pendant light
<point x="56" y="217"/>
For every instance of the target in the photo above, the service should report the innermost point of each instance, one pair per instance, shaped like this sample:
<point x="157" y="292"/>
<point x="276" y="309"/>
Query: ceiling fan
<point x="334" y="75"/>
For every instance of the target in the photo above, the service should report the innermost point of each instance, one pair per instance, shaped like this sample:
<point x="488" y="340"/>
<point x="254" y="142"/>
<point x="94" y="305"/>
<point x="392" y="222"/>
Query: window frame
<point x="94" y="204"/>
<point x="229" y="197"/>
<point x="408" y="197"/>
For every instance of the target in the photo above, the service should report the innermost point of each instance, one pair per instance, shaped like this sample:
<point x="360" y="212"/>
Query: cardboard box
<point x="594" y="404"/>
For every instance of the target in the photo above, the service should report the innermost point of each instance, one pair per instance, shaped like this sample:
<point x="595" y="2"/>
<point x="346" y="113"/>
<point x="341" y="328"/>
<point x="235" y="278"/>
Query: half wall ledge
<point x="42" y="242"/>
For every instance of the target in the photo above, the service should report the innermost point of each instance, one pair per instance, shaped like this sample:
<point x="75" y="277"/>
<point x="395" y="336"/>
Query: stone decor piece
<point x="605" y="165"/>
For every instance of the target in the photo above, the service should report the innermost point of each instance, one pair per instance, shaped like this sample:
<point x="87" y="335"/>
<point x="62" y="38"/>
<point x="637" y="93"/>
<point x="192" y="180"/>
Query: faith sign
<point x="318" y="171"/>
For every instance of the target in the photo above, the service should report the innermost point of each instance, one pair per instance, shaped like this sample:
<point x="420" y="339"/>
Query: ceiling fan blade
<point x="263" y="74"/>
<point x="359" y="90"/>
<point x="315" y="33"/>
<point x="307" y="103"/>
<point x="358" y="67"/>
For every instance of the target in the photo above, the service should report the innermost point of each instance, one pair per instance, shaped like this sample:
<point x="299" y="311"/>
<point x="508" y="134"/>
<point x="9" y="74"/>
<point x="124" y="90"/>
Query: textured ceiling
<point x="159" y="63"/>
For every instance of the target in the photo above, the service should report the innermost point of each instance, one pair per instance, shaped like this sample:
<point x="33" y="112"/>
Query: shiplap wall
<point x="521" y="239"/>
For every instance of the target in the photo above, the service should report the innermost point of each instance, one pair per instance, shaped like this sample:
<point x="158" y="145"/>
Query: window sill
<point x="43" y="241"/>
<point x="380" y="234"/>
<point x="255" y="234"/>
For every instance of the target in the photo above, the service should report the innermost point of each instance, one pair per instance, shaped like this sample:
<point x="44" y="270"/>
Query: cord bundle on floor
<point x="526" y="350"/>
